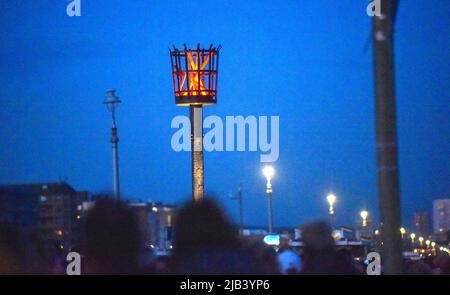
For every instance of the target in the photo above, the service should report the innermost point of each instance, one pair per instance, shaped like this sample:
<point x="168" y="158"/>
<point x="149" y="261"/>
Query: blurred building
<point x="441" y="216"/>
<point x="142" y="213"/>
<point x="161" y="225"/>
<point x="155" y="221"/>
<point x="255" y="231"/>
<point x="365" y="231"/>
<point x="52" y="209"/>
<point x="20" y="206"/>
<point x="344" y="233"/>
<point x="421" y="223"/>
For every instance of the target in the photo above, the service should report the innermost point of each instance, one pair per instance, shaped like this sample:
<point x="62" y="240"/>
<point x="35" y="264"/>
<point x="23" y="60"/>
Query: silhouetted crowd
<point x="205" y="243"/>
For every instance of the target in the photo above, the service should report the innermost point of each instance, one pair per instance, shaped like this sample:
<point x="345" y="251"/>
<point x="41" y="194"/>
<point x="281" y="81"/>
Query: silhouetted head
<point x="11" y="250"/>
<point x="417" y="268"/>
<point x="22" y="251"/>
<point x="317" y="236"/>
<point x="263" y="255"/>
<point x="111" y="240"/>
<point x="284" y="244"/>
<point x="203" y="226"/>
<point x="442" y="262"/>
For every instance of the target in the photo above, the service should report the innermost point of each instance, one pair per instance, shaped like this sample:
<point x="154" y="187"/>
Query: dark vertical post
<point x="196" y="118"/>
<point x="241" y="212"/>
<point x="332" y="223"/>
<point x="115" y="147"/>
<point x="269" y="201"/>
<point x="386" y="137"/>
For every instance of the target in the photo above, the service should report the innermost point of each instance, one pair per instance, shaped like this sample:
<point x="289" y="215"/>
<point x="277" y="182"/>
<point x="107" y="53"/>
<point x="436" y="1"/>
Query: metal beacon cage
<point x="195" y="78"/>
<point x="195" y="75"/>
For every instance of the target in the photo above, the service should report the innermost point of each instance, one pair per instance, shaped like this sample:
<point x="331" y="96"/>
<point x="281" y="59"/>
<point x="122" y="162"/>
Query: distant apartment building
<point x="441" y="216"/>
<point x="52" y="209"/>
<point x="421" y="223"/>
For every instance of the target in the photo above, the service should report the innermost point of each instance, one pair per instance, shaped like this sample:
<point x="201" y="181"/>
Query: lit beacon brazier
<point x="195" y="76"/>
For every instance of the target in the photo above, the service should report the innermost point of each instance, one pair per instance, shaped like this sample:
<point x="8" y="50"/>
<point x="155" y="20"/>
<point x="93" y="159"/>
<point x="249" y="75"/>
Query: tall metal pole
<point x="269" y="203"/>
<point x="268" y="172"/>
<point x="196" y="118"/>
<point x="386" y="136"/>
<point x="112" y="101"/>
<point x="241" y="212"/>
<point x="115" y="147"/>
<point x="332" y="220"/>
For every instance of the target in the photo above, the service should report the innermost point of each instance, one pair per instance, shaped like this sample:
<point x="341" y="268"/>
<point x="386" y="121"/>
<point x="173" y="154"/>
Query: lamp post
<point x="268" y="172"/>
<point x="195" y="77"/>
<point x="112" y="102"/>
<point x="364" y="214"/>
<point x="383" y="28"/>
<point x="412" y="236"/>
<point x="331" y="199"/>
<point x="241" y="210"/>
<point x="402" y="232"/>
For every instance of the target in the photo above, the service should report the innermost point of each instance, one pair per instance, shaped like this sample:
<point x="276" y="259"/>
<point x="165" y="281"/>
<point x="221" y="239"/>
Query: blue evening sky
<point x="308" y="62"/>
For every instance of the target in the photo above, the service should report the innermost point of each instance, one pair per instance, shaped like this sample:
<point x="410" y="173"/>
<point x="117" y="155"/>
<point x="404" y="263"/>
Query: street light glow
<point x="331" y="199"/>
<point x="364" y="215"/>
<point x="268" y="172"/>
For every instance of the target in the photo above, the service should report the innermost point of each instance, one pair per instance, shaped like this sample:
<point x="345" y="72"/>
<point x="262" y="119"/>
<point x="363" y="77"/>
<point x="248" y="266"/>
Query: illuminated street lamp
<point x="412" y="236"/>
<point x="421" y="241"/>
<point x="428" y="242"/>
<point x="269" y="172"/>
<point x="112" y="102"/>
<point x="364" y="214"/>
<point x="433" y="245"/>
<point x="331" y="199"/>
<point x="402" y="231"/>
<point x="195" y="76"/>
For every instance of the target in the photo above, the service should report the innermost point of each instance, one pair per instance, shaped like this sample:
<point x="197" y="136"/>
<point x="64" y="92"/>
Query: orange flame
<point x="196" y="80"/>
